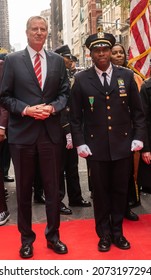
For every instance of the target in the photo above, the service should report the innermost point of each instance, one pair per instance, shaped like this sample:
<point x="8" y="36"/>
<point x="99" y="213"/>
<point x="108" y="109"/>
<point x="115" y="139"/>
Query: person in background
<point x="118" y="57"/>
<point x="144" y="169"/>
<point x="69" y="169"/>
<point x="34" y="90"/>
<point x="5" y="153"/>
<point x="6" y="161"/>
<point x="73" y="68"/>
<point x="106" y="102"/>
<point x="4" y="213"/>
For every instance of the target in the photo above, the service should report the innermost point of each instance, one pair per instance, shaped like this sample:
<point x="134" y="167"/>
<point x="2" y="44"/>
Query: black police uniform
<point x="111" y="121"/>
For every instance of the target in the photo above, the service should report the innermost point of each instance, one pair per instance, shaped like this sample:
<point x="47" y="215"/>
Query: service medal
<point x="91" y="101"/>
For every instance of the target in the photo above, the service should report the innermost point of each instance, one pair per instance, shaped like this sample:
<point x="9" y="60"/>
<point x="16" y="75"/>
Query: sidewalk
<point x="78" y="213"/>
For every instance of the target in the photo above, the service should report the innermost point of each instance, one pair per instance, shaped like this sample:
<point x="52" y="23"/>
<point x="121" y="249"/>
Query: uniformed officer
<point x="107" y="123"/>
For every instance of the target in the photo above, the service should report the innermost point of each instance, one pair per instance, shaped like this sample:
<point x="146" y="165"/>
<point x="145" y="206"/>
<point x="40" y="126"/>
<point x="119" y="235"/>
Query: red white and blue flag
<point x="140" y="37"/>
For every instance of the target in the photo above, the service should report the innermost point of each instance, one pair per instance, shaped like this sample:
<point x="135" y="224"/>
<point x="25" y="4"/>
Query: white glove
<point x="83" y="151"/>
<point x="69" y="141"/>
<point x="136" y="145"/>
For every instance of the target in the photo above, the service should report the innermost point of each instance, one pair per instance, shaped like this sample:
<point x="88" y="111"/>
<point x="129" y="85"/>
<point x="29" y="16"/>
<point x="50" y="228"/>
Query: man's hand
<point x="83" y="151"/>
<point x="40" y="111"/>
<point x="136" y="145"/>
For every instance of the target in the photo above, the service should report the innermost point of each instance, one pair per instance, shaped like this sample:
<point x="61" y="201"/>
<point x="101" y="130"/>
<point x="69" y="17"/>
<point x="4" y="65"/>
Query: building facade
<point x="4" y="26"/>
<point x="47" y="15"/>
<point x="72" y="21"/>
<point x="56" y="23"/>
<point x="67" y="22"/>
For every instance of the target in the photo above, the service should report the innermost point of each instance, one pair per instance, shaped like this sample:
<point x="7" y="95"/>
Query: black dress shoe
<point x="134" y="204"/>
<point x="8" y="179"/>
<point x="104" y="243"/>
<point x="130" y="215"/>
<point x="26" y="251"/>
<point x="64" y="210"/>
<point x="57" y="246"/>
<point x="39" y="199"/>
<point x="121" y="242"/>
<point x="80" y="203"/>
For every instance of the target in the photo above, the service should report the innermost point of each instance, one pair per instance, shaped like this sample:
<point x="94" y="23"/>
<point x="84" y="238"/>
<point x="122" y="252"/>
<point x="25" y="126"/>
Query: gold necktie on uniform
<point x="37" y="68"/>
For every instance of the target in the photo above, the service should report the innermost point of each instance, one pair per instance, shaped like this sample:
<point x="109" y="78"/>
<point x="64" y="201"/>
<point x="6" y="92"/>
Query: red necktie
<point x="37" y="68"/>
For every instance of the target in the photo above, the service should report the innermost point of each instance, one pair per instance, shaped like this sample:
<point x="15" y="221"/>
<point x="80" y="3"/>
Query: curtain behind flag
<point x="140" y="35"/>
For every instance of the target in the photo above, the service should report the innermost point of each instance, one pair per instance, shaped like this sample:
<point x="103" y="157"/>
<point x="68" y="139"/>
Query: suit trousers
<point x="70" y="174"/>
<point x="110" y="187"/>
<point x="37" y="184"/>
<point x="24" y="159"/>
<point x="3" y="205"/>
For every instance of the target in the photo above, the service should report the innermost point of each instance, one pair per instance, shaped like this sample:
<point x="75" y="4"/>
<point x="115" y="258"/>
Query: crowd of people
<point x="51" y="115"/>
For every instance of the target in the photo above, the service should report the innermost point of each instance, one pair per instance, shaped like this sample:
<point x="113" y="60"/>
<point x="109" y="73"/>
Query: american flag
<point x="140" y="36"/>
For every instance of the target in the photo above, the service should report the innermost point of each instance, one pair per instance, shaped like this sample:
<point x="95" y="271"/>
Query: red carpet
<point x="81" y="239"/>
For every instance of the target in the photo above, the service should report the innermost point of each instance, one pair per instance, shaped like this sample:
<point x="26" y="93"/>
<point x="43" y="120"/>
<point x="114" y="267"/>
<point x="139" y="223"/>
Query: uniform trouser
<point x="6" y="157"/>
<point x="3" y="205"/>
<point x="133" y="190"/>
<point x="110" y="187"/>
<point x="24" y="160"/>
<point x="70" y="168"/>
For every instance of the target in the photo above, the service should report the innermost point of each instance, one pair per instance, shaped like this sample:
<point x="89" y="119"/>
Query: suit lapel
<point x="49" y="66"/>
<point x="94" y="80"/>
<point x="114" y="79"/>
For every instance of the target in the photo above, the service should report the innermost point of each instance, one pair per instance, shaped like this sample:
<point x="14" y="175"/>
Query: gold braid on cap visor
<point x="100" y="41"/>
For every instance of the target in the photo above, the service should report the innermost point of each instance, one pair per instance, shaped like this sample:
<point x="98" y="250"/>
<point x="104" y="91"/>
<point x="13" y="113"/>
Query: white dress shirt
<point x="42" y="53"/>
<point x="108" y="74"/>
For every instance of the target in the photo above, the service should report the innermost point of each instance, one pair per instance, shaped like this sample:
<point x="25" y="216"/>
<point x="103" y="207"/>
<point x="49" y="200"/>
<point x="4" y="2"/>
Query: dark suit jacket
<point x="20" y="88"/>
<point x="111" y="121"/>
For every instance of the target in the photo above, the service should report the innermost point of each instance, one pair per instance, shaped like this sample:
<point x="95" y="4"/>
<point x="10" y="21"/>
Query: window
<point x="118" y="24"/>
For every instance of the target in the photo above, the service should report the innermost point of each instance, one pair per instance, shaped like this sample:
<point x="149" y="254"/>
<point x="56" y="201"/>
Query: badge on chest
<point x="122" y="89"/>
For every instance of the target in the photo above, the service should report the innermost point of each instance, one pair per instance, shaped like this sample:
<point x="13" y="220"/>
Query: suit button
<point x="91" y="135"/>
<point x="107" y="97"/>
<point x="108" y="107"/>
<point x="110" y="127"/>
<point x="109" y="117"/>
<point x="125" y="133"/>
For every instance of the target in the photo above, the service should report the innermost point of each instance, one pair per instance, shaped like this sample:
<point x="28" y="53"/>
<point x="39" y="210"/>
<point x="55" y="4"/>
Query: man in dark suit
<point x="34" y="100"/>
<point x="105" y="99"/>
